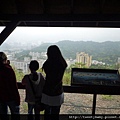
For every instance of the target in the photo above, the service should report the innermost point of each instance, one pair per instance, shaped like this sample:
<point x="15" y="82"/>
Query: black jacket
<point x="54" y="74"/>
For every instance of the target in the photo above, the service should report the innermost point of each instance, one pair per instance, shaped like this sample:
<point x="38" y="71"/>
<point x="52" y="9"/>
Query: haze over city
<point x="40" y="35"/>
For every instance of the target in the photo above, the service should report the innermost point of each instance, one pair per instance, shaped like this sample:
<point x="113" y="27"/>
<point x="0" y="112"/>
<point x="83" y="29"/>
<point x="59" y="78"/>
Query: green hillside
<point x="107" y="52"/>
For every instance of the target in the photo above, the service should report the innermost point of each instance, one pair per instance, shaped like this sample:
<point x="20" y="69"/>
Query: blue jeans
<point x="30" y="108"/>
<point x="51" y="112"/>
<point x="34" y="107"/>
<point x="14" y="109"/>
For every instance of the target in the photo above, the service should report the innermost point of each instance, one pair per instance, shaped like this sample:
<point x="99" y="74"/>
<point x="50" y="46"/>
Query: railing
<point x="89" y="89"/>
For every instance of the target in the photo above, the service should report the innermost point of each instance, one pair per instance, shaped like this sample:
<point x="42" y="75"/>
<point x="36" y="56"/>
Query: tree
<point x="19" y="74"/>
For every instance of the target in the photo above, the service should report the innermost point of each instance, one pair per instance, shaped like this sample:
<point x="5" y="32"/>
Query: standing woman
<point x="9" y="95"/>
<point x="53" y="95"/>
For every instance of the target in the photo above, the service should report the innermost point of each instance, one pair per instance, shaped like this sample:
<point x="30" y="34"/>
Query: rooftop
<point x="61" y="13"/>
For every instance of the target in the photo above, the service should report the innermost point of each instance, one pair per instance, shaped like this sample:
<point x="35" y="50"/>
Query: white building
<point x="70" y="62"/>
<point x="20" y="65"/>
<point x="24" y="65"/>
<point x="35" y="54"/>
<point x="118" y="60"/>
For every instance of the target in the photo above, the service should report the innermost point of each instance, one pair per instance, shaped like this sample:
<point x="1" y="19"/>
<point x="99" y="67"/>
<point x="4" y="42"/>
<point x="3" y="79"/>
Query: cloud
<point x="55" y="34"/>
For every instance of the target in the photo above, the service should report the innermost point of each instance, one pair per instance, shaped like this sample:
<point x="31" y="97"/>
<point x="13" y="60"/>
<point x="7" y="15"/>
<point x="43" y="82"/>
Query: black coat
<point x="54" y="74"/>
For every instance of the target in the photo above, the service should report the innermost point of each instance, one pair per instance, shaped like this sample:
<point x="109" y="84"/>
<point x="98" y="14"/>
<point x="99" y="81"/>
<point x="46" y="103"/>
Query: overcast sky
<point x="55" y="34"/>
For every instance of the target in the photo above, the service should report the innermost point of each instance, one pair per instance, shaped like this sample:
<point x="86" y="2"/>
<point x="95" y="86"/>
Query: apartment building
<point x="84" y="58"/>
<point x="24" y="65"/>
<point x="21" y="65"/>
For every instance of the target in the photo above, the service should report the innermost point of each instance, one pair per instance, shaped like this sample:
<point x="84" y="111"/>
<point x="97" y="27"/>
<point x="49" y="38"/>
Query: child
<point x="34" y="83"/>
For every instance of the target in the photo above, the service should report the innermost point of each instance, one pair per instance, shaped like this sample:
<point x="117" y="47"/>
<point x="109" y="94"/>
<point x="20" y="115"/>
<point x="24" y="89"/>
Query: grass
<point x="107" y="97"/>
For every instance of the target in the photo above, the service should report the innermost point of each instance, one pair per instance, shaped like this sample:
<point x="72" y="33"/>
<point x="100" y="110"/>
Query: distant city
<point x="23" y="65"/>
<point x="82" y="53"/>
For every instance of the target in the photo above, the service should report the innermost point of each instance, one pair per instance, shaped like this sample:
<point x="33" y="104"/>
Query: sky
<point x="40" y="35"/>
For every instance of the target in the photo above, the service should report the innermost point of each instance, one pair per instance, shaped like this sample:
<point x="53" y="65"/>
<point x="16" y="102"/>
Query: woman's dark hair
<point x="54" y="54"/>
<point x="34" y="65"/>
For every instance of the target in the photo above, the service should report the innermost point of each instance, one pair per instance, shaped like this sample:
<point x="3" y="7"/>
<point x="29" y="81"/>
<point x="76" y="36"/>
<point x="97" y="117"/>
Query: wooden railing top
<point x="88" y="89"/>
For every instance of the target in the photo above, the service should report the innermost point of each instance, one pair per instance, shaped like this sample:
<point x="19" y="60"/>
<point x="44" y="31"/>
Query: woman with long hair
<point x="53" y="95"/>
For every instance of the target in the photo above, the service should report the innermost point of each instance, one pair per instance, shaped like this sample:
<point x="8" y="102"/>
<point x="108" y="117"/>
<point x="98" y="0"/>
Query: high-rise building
<point x="84" y="58"/>
<point x="118" y="60"/>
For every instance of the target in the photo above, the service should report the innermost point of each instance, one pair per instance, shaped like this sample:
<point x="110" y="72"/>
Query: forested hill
<point x="106" y="51"/>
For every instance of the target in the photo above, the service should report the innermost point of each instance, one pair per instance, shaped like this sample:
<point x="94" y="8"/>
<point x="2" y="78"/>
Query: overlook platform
<point x="62" y="13"/>
<point x="93" y="90"/>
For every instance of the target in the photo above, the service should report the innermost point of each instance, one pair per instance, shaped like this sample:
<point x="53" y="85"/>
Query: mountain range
<point x="107" y="52"/>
